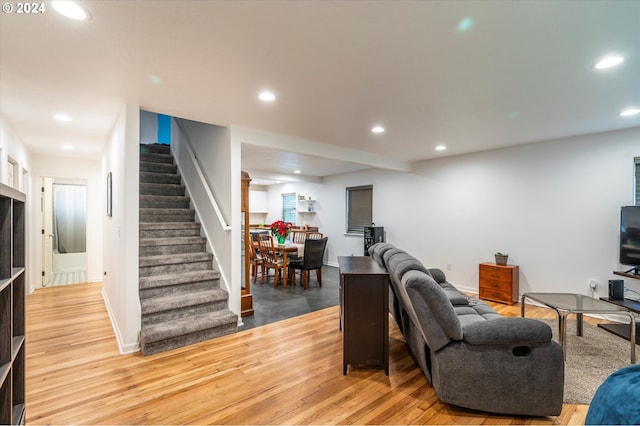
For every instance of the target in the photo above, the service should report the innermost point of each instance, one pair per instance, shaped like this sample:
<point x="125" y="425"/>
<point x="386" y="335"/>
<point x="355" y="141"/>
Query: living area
<point x="476" y="156"/>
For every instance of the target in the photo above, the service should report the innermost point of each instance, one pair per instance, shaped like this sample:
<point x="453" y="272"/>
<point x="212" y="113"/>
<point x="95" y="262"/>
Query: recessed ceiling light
<point x="267" y="96"/>
<point x="67" y="147"/>
<point x="296" y="172"/>
<point x="62" y="117"/>
<point x="70" y="9"/>
<point x="630" y="112"/>
<point x="440" y="148"/>
<point x="377" y="129"/>
<point x="608" y="62"/>
<point x="465" y="24"/>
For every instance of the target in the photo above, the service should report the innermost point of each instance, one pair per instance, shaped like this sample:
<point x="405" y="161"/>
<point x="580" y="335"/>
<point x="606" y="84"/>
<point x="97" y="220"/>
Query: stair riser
<point x="190" y="339"/>
<point x="178" y="289"/>
<point x="156" y="317"/>
<point x="146" y="177"/>
<point x="187" y="217"/>
<point x="169" y="233"/>
<point x="160" y="202"/>
<point x="146" y="271"/>
<point x="171" y="249"/>
<point x="154" y="189"/>
<point x="156" y="158"/>
<point x="158" y="167"/>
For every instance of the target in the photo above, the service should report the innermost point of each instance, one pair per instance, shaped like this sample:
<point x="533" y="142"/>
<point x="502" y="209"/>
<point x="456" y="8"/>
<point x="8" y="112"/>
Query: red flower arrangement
<point x="281" y="229"/>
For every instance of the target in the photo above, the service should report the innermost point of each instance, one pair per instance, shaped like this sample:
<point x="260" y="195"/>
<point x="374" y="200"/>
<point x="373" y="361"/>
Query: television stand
<point x="623" y="330"/>
<point x="631" y="273"/>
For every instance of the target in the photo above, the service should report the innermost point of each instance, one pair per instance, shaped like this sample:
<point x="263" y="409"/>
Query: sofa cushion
<point x="437" y="317"/>
<point x="377" y="250"/>
<point x="500" y="331"/>
<point x="388" y="254"/>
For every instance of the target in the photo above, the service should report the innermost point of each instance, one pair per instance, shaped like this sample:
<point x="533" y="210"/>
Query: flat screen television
<point x="630" y="237"/>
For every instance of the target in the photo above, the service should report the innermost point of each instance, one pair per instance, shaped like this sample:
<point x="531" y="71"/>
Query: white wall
<point x="148" y="127"/>
<point x="12" y="145"/>
<point x="212" y="147"/>
<point x="120" y="231"/>
<point x="553" y="206"/>
<point x="76" y="169"/>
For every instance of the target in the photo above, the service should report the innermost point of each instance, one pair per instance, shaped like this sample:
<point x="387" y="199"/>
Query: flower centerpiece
<point x="280" y="229"/>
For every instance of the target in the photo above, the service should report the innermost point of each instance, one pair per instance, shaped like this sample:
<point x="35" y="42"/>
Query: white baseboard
<point x="122" y="348"/>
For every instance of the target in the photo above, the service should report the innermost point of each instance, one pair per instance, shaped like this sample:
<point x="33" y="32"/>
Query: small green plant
<point x="501" y="254"/>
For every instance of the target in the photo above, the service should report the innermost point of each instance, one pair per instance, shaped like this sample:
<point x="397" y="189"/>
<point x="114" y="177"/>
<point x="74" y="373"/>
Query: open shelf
<point x="12" y="306"/>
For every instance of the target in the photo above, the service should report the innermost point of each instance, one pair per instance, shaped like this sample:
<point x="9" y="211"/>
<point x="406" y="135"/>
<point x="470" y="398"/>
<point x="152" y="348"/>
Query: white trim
<point x="123" y="349"/>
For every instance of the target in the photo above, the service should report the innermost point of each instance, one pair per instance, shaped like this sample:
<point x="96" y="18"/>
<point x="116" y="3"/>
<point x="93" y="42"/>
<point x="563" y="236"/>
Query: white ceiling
<point x="521" y="73"/>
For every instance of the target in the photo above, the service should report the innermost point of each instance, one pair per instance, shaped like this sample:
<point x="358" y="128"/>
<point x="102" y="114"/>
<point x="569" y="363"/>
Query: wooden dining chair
<point x="313" y="257"/>
<point x="255" y="261"/>
<point x="313" y="235"/>
<point x="270" y="258"/>
<point x="298" y="237"/>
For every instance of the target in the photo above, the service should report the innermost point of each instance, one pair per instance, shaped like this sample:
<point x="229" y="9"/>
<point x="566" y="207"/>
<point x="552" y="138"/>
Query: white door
<point x="47" y="230"/>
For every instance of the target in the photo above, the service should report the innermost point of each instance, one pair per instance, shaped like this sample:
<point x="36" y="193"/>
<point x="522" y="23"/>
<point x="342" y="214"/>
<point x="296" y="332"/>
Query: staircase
<point x="180" y="296"/>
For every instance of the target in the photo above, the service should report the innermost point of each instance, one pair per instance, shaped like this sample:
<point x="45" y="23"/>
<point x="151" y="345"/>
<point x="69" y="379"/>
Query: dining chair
<point x="298" y="237"/>
<point x="313" y="256"/>
<point x="313" y="235"/>
<point x="255" y="261"/>
<point x="270" y="258"/>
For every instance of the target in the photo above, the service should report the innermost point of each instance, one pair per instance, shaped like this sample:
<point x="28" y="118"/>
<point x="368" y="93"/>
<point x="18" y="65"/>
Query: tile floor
<point x="275" y="304"/>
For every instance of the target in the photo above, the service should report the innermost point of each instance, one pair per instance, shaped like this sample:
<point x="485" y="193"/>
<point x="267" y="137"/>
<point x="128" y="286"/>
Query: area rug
<point x="590" y="359"/>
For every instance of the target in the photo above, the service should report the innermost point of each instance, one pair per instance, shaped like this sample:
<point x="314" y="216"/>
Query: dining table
<point x="285" y="249"/>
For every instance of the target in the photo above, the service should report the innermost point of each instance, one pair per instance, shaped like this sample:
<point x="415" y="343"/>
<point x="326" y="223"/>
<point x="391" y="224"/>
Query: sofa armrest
<point x="510" y="330"/>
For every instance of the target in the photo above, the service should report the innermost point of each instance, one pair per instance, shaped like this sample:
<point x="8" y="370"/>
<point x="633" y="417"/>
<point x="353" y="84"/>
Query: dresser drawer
<point x="496" y="285"/>
<point x="495" y="273"/>
<point x="496" y="295"/>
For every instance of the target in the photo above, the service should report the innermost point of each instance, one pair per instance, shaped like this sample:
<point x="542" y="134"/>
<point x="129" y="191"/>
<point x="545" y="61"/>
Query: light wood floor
<point x="288" y="372"/>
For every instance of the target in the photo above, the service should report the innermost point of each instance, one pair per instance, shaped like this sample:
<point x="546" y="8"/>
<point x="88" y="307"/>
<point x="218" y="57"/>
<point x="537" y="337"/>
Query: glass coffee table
<point x="566" y="304"/>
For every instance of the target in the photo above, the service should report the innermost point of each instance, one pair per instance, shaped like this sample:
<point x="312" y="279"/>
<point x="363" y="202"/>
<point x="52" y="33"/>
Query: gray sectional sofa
<point x="474" y="357"/>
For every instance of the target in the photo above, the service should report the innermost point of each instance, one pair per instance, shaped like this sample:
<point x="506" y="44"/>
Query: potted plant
<point x="501" y="259"/>
<point x="281" y="229"/>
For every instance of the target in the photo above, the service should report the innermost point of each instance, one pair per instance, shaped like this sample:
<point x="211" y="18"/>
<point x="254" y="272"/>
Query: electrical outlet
<point x="593" y="285"/>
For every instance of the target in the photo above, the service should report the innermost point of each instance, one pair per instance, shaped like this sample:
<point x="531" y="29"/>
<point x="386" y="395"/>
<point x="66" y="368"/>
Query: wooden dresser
<point x="499" y="283"/>
<point x="364" y="315"/>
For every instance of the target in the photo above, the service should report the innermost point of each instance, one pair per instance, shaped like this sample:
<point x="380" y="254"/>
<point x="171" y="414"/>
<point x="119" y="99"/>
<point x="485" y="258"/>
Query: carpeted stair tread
<point x="161" y="189"/>
<point x="177" y="301"/>
<point x="160" y="178"/>
<point x="183" y="326"/>
<point x="156" y="158"/>
<point x="164" y="201"/>
<point x="160" y="212"/>
<point x="155" y="148"/>
<point x="152" y="226"/>
<point x="175" y="279"/>
<point x="171" y="259"/>
<point x="155" y="167"/>
<point x="152" y="242"/>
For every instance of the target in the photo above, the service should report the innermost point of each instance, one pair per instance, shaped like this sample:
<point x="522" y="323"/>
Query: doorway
<point x="64" y="233"/>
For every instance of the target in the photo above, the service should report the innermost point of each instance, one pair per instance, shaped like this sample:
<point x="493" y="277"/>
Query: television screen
<point x="630" y="235"/>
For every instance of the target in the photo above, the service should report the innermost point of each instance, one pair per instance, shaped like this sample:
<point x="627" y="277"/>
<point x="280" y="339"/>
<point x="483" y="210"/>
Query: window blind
<point x="289" y="208"/>
<point x="637" y="180"/>
<point x="359" y="208"/>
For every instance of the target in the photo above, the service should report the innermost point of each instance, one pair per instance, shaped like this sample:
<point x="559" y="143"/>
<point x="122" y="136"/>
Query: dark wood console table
<point x="364" y="316"/>
<point x="623" y="330"/>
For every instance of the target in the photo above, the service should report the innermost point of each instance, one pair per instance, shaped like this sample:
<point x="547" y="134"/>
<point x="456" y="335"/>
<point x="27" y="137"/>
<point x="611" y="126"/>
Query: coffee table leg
<point x="579" y="324"/>
<point x="562" y="333"/>
<point x="632" y="338"/>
